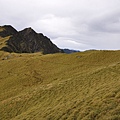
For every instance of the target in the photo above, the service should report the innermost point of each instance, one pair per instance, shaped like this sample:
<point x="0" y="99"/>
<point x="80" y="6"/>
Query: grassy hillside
<point x="79" y="86"/>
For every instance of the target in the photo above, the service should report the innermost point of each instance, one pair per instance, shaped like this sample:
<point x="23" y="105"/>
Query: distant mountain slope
<point x="68" y="51"/>
<point x="27" y="41"/>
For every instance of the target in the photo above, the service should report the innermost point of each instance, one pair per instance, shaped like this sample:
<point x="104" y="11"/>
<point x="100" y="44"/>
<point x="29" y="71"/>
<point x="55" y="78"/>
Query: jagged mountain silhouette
<point x="27" y="41"/>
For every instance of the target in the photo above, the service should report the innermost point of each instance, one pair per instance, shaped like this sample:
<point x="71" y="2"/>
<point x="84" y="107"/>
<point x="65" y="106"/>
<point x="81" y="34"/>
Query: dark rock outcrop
<point x="27" y="41"/>
<point x="7" y="31"/>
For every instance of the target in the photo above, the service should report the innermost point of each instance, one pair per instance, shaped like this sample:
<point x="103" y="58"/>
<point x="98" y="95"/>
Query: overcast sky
<point x="73" y="24"/>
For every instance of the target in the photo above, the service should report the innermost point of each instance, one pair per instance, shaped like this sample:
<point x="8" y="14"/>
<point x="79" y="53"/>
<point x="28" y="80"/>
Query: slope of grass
<point x="3" y="41"/>
<point x="79" y="86"/>
<point x="1" y="29"/>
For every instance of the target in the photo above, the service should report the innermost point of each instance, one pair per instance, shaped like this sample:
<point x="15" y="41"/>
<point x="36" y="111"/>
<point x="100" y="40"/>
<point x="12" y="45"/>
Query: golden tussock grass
<point x="79" y="86"/>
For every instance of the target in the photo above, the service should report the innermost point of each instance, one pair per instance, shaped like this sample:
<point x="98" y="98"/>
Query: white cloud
<point x="63" y="42"/>
<point x="55" y="26"/>
<point x="78" y="24"/>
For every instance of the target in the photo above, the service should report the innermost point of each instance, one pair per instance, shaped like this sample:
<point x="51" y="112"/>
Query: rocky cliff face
<point x="27" y="41"/>
<point x="7" y="30"/>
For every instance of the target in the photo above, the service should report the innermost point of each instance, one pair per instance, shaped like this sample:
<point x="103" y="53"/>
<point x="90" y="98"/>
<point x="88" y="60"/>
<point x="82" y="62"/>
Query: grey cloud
<point x="106" y="23"/>
<point x="78" y="24"/>
<point x="71" y="43"/>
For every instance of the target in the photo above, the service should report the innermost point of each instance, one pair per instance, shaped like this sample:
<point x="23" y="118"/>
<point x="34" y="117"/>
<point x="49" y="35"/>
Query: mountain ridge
<point x="7" y="30"/>
<point x="69" y="51"/>
<point x="27" y="41"/>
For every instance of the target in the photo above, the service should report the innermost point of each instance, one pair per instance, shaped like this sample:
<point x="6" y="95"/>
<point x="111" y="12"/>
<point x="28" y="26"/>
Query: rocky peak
<point x="28" y="31"/>
<point x="8" y="30"/>
<point x="28" y="41"/>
